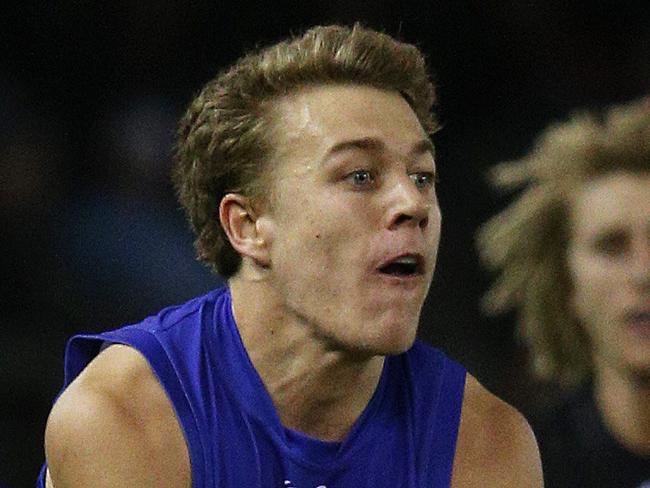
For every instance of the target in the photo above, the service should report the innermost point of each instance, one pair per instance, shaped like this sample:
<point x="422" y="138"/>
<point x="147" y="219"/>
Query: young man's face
<point x="354" y="222"/>
<point x="609" y="261"/>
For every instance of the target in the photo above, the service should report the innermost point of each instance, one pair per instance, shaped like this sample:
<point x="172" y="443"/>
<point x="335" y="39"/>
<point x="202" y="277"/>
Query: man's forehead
<point x="350" y="117"/>
<point x="610" y="201"/>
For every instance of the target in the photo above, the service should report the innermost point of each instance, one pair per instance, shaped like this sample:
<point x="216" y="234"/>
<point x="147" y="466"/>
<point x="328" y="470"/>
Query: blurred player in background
<point x="572" y="254"/>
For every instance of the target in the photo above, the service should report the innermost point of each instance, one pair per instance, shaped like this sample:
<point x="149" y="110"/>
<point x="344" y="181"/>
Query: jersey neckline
<point x="251" y="394"/>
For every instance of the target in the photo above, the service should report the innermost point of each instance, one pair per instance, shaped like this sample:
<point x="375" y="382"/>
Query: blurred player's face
<point x="354" y="222"/>
<point x="609" y="260"/>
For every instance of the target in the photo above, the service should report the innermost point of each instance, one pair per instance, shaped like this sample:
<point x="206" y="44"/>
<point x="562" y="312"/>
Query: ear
<point x="244" y="228"/>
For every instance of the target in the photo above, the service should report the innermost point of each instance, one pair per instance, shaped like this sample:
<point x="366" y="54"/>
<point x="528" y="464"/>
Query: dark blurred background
<point x="90" y="93"/>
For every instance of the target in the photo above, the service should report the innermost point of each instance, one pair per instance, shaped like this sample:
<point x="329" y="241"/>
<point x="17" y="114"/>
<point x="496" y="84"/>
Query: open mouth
<point x="638" y="322"/>
<point x="403" y="266"/>
<point x="639" y="319"/>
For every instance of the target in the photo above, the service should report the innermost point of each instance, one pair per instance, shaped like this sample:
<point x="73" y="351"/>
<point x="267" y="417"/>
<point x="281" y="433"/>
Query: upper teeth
<point x="406" y="260"/>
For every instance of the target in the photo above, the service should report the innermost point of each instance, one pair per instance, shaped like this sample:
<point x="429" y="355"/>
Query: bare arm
<point x="115" y="427"/>
<point x="496" y="446"/>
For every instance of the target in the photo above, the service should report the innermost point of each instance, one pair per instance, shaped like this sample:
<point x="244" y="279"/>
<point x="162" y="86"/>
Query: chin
<point x="384" y="335"/>
<point x="396" y="339"/>
<point x="385" y="343"/>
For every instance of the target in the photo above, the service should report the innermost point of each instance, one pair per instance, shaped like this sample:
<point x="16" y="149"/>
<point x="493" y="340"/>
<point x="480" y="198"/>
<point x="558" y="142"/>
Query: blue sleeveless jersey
<point x="405" y="437"/>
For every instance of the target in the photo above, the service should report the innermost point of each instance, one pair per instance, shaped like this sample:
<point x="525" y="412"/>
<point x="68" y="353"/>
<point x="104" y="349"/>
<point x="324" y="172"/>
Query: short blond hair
<point x="526" y="244"/>
<point x="224" y="138"/>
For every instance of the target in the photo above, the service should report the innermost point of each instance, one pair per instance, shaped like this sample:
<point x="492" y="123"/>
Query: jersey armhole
<point x="82" y="348"/>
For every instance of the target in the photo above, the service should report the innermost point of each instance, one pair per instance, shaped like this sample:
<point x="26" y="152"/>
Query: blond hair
<point x="526" y="244"/>
<point x="224" y="137"/>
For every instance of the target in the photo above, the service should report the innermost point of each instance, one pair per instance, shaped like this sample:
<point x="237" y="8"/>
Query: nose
<point x="407" y="205"/>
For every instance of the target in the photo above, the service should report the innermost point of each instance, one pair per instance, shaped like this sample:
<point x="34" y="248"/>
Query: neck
<point x="624" y="402"/>
<point x="317" y="388"/>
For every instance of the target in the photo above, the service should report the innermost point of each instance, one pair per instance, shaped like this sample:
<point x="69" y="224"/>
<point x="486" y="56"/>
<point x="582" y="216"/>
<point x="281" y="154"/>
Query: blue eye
<point x="361" y="177"/>
<point x="423" y="179"/>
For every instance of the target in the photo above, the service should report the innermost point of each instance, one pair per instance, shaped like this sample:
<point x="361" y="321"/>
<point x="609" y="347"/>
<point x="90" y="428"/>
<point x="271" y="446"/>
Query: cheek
<point x="593" y="294"/>
<point x="306" y="243"/>
<point x="585" y="297"/>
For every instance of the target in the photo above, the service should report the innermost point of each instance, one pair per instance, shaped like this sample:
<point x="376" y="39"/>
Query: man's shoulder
<point x="115" y="417"/>
<point x="120" y="373"/>
<point x="496" y="418"/>
<point x="496" y="446"/>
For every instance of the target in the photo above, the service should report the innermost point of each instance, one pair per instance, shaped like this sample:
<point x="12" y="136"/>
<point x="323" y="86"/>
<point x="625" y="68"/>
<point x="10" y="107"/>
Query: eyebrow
<point x="373" y="144"/>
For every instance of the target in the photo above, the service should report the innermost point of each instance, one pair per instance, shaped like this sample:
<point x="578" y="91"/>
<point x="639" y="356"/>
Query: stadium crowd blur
<point x="90" y="92"/>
